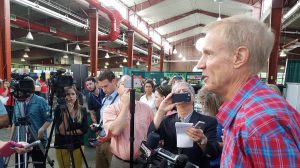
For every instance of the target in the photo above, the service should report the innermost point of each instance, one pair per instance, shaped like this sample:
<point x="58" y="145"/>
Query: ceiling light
<point x="77" y="47"/>
<point x="105" y="66"/>
<point x="138" y="63"/>
<point x="22" y="59"/>
<point x="89" y="60"/>
<point x="282" y="53"/>
<point x="174" y="51"/>
<point x="27" y="49"/>
<point x="219" y="18"/>
<point x="25" y="55"/>
<point x="282" y="67"/>
<point x="107" y="55"/>
<point x="106" y="63"/>
<point x="121" y="66"/>
<point x="180" y="55"/>
<point x="29" y="36"/>
<point x="183" y="59"/>
<point x="65" y="56"/>
<point x="124" y="60"/>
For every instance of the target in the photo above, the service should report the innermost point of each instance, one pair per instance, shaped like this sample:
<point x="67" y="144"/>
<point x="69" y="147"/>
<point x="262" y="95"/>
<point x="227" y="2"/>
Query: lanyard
<point x="112" y="100"/>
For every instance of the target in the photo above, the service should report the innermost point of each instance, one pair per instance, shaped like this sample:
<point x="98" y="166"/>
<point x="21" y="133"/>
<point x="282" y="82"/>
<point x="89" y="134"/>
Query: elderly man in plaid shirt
<point x="260" y="128"/>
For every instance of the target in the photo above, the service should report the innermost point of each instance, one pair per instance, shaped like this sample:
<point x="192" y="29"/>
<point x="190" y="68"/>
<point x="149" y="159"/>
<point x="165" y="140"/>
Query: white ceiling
<point x="169" y="8"/>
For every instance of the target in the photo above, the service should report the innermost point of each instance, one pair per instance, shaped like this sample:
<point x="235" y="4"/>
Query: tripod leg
<point x="83" y="157"/>
<point x="72" y="157"/>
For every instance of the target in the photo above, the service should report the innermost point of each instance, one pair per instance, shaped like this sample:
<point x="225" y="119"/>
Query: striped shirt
<point x="260" y="129"/>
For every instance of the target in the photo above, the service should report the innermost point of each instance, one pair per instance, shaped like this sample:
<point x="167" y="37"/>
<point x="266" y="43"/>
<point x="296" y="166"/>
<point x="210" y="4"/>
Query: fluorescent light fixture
<point x="282" y="53"/>
<point x="25" y="55"/>
<point x="291" y="11"/>
<point x="124" y="60"/>
<point x="77" y="47"/>
<point x="29" y="36"/>
<point x="180" y="55"/>
<point x="22" y="59"/>
<point x="106" y="63"/>
<point x="138" y="63"/>
<point x="107" y="55"/>
<point x="65" y="56"/>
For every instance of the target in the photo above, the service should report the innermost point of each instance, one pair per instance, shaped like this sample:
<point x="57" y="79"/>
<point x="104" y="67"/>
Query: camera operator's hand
<point x="166" y="105"/>
<point x="41" y="133"/>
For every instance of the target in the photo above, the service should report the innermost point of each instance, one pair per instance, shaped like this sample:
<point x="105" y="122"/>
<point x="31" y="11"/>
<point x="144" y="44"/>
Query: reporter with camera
<point x="116" y="121"/>
<point x="205" y="146"/>
<point x="71" y="125"/>
<point x="35" y="111"/>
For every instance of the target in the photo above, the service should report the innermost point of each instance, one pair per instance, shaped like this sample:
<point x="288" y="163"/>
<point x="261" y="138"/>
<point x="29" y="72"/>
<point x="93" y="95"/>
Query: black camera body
<point x="57" y="82"/>
<point x="22" y="86"/>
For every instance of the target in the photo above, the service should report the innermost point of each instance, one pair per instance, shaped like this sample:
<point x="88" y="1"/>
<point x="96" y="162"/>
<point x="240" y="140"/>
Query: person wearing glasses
<point x="205" y="145"/>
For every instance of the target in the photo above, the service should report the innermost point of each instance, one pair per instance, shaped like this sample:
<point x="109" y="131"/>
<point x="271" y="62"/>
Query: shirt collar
<point x="185" y="119"/>
<point x="112" y="95"/>
<point x="229" y="110"/>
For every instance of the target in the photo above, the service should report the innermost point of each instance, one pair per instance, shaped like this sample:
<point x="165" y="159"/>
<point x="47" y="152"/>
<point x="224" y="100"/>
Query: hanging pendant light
<point x="219" y="18"/>
<point x="22" y="59"/>
<point x="106" y="63"/>
<point x="124" y="60"/>
<point x="89" y="60"/>
<point x="138" y="63"/>
<point x="27" y="49"/>
<point x="66" y="56"/>
<point x="29" y="35"/>
<point x="25" y="55"/>
<point x="105" y="66"/>
<point x="174" y="51"/>
<point x="77" y="47"/>
<point x="180" y="55"/>
<point x="121" y="66"/>
<point x="107" y="55"/>
<point x="282" y="53"/>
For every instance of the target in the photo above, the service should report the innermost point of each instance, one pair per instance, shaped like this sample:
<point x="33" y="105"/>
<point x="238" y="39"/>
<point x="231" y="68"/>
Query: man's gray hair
<point x="124" y="78"/>
<point x="183" y="84"/>
<point x="245" y="31"/>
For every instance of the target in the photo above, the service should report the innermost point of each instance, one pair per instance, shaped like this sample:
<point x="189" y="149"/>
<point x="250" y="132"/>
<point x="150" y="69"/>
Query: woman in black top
<point x="71" y="125"/>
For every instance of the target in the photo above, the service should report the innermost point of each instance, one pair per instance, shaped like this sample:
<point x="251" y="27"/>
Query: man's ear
<point x="241" y="57"/>
<point x="115" y="82"/>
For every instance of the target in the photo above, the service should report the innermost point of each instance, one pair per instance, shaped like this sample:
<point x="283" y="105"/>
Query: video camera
<point x="57" y="82"/>
<point x="159" y="157"/>
<point x="22" y="86"/>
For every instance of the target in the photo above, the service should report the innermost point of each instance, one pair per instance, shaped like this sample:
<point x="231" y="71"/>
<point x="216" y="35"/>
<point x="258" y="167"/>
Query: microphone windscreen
<point x="181" y="161"/>
<point x="153" y="140"/>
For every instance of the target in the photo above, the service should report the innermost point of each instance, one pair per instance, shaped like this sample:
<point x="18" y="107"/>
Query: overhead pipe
<point x="115" y="21"/>
<point x="47" y="48"/>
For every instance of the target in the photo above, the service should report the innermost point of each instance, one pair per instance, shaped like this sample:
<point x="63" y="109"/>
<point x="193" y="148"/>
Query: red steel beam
<point x="42" y="28"/>
<point x="150" y="50"/>
<point x="161" y="60"/>
<point x="275" y="19"/>
<point x="5" y="46"/>
<point x="130" y="39"/>
<point x="93" y="35"/>
<point x="172" y="19"/>
<point x="182" y="31"/>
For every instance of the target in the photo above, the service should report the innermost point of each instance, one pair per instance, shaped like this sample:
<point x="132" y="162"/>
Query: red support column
<point x="130" y="36"/>
<point x="161" y="59"/>
<point x="150" y="50"/>
<point x="5" y="46"/>
<point x="93" y="35"/>
<point x="275" y="19"/>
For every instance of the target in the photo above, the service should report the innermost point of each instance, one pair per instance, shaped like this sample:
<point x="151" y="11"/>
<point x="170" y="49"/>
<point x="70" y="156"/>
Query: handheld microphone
<point x="35" y="143"/>
<point x="148" y="146"/>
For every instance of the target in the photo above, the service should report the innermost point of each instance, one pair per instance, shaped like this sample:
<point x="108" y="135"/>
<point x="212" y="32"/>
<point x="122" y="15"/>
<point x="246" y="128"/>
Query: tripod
<point x="70" y="145"/>
<point x="24" y="132"/>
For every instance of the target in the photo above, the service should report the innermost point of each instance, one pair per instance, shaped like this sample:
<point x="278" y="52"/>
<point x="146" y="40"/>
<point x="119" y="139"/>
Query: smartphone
<point x="199" y="125"/>
<point x="137" y="83"/>
<point x="181" y="97"/>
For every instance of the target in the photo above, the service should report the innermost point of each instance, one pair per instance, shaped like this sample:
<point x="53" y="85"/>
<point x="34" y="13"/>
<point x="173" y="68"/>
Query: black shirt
<point x="61" y="141"/>
<point x="95" y="103"/>
<point x="167" y="132"/>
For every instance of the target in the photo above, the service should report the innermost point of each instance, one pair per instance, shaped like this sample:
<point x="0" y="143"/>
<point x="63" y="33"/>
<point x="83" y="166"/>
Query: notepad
<point x="183" y="140"/>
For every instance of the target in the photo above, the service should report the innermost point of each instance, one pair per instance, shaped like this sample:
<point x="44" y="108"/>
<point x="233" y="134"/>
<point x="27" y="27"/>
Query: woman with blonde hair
<point x="71" y="125"/>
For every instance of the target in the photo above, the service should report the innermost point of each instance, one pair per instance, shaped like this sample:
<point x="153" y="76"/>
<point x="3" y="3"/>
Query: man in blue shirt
<point x="35" y="110"/>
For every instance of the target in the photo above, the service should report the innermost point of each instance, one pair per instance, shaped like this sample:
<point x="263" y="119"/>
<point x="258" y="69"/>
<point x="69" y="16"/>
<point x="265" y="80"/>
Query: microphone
<point x="35" y="143"/>
<point x="148" y="146"/>
<point x="181" y="161"/>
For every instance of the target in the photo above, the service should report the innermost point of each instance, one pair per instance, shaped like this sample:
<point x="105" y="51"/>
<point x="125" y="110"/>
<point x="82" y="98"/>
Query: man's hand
<point x="197" y="135"/>
<point x="166" y="105"/>
<point x="22" y="150"/>
<point x="41" y="133"/>
<point x="125" y="100"/>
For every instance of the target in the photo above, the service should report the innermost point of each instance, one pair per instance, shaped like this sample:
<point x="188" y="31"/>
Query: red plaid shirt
<point x="260" y="129"/>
